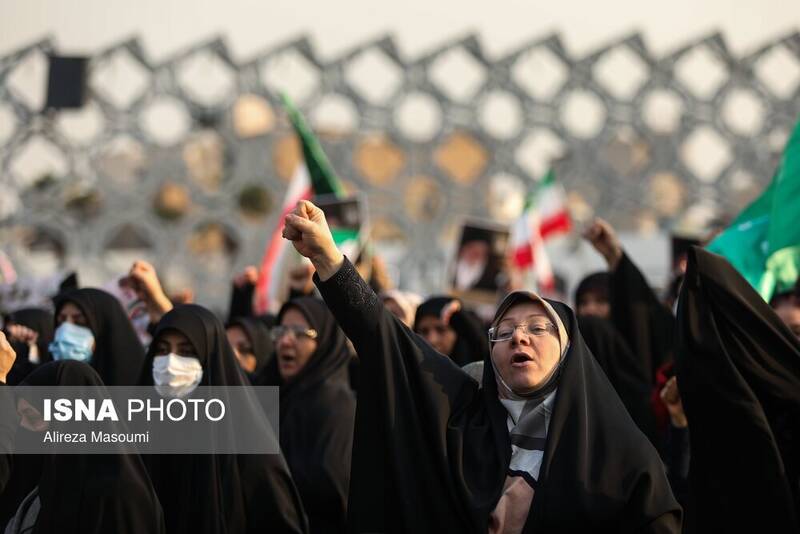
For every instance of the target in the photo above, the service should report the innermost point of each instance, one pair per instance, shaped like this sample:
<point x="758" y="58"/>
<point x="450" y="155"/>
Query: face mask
<point x="176" y="376"/>
<point x="72" y="342"/>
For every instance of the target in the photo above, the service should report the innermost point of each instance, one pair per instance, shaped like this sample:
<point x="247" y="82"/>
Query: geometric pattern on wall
<point x="184" y="161"/>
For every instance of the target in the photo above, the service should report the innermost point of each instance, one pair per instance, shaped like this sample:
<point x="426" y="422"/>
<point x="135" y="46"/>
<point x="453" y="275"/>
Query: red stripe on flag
<point x="558" y="223"/>
<point x="270" y="256"/>
<point x="523" y="256"/>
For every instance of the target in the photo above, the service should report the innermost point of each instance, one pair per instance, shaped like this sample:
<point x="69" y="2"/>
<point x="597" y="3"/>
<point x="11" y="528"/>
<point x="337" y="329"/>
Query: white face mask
<point x="176" y="376"/>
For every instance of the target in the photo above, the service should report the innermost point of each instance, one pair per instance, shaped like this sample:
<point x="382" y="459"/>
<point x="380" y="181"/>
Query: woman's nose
<point x="286" y="340"/>
<point x="520" y="335"/>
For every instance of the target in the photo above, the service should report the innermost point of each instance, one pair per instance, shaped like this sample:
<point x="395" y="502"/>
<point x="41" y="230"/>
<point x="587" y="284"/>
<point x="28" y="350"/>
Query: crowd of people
<point x="630" y="413"/>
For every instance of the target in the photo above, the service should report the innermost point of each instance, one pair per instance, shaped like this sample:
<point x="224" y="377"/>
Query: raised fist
<point x="145" y="282"/>
<point x="7" y="357"/>
<point x="602" y="237"/>
<point x="247" y="277"/>
<point x="308" y="231"/>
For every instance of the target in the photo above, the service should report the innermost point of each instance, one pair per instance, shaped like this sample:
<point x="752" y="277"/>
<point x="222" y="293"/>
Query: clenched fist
<point x="308" y="231"/>
<point x="602" y="237"/>
<point x="22" y="334"/>
<point x="145" y="281"/>
<point x="247" y="277"/>
<point x="7" y="357"/>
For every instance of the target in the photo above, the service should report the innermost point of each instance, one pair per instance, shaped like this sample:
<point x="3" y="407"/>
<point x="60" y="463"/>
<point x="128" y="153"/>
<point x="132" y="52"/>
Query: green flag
<point x="323" y="178"/>
<point x="763" y="243"/>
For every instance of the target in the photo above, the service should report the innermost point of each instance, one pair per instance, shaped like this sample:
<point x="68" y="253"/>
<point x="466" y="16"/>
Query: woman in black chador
<point x="739" y="377"/>
<point x="92" y="327"/>
<point x="85" y="493"/>
<point x="545" y="445"/>
<point x="317" y="408"/>
<point x="213" y="494"/>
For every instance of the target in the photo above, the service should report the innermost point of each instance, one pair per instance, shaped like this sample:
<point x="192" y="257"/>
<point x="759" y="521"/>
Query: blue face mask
<point x="72" y="342"/>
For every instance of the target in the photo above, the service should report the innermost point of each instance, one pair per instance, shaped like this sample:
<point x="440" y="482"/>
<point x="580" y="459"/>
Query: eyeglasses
<point x="298" y="332"/>
<point x="506" y="332"/>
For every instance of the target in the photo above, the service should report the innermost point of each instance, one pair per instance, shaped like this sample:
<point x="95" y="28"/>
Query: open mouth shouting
<point x="522" y="359"/>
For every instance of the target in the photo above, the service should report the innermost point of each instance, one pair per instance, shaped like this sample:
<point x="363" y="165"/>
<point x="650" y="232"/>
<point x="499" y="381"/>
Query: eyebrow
<point x="525" y="318"/>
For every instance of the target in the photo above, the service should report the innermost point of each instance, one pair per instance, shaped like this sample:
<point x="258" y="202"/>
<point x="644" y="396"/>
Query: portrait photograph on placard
<point x="479" y="265"/>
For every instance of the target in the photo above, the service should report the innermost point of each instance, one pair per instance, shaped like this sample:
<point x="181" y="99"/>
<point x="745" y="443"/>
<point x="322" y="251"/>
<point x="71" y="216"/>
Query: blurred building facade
<point x="185" y="161"/>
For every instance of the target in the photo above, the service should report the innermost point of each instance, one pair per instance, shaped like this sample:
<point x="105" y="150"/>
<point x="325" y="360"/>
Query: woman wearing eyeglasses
<point x="545" y="445"/>
<point x="317" y="408"/>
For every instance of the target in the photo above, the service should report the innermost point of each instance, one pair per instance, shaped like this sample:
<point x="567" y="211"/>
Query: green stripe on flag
<point x="341" y="235"/>
<point x="763" y="243"/>
<point x="533" y="194"/>
<point x="323" y="178"/>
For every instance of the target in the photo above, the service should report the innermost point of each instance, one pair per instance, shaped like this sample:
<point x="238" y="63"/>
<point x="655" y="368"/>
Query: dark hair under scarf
<point x="317" y="418"/>
<point x="260" y="338"/>
<point x="597" y="283"/>
<point x="432" y="306"/>
<point x="118" y="353"/>
<point x="92" y="493"/>
<point x="217" y="494"/>
<point x="470" y="345"/>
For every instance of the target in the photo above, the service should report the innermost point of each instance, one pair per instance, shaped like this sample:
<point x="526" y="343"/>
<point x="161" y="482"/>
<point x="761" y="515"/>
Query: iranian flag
<point x="763" y="242"/>
<point x="544" y="216"/>
<point x="313" y="177"/>
<point x="551" y="204"/>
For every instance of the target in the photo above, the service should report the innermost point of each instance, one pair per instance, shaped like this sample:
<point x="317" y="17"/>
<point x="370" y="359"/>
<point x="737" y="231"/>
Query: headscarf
<point x="118" y="355"/>
<point x="738" y="368"/>
<point x="597" y="283"/>
<point x="216" y="494"/>
<point x="329" y="361"/>
<point x="407" y="301"/>
<point x="92" y="493"/>
<point x="260" y="338"/>
<point x="470" y="345"/>
<point x="317" y="416"/>
<point x="529" y="414"/>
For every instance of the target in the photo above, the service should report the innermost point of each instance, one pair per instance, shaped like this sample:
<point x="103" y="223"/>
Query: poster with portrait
<point x="479" y="268"/>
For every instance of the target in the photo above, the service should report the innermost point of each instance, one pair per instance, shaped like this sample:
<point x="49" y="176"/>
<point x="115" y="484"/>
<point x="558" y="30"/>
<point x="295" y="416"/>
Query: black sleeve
<point x="677" y="459"/>
<point x="407" y="395"/>
<point x="374" y="331"/>
<point x="647" y="325"/>
<point x="241" y="301"/>
<point x="8" y="428"/>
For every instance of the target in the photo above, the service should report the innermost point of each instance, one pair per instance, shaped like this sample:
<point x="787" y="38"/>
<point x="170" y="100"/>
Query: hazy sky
<point x="249" y="26"/>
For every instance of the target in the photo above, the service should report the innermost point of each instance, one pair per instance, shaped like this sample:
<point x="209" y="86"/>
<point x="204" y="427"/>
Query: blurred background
<point x="664" y="119"/>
